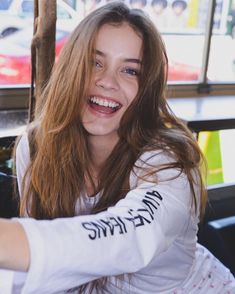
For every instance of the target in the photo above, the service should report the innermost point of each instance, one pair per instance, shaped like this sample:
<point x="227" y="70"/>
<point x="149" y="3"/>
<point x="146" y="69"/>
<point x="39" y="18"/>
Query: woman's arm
<point x="14" y="247"/>
<point x="69" y="252"/>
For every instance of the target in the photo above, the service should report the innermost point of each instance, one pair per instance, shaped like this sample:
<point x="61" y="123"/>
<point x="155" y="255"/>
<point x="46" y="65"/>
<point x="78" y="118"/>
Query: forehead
<point x="120" y="38"/>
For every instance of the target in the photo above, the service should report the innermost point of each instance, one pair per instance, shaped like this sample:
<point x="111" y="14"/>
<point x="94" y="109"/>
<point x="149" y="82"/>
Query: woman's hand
<point x="14" y="247"/>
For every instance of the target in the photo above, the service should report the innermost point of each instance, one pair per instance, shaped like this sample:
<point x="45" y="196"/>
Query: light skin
<point x="117" y="62"/>
<point x="14" y="247"/>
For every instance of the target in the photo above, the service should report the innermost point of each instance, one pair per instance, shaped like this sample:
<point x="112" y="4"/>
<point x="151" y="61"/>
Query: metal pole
<point x="203" y="88"/>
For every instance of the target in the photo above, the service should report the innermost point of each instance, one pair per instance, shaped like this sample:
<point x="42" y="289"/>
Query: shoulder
<point x="26" y="143"/>
<point x="156" y="157"/>
<point x="150" y="162"/>
<point x="155" y="162"/>
<point x="161" y="168"/>
<point x="22" y="147"/>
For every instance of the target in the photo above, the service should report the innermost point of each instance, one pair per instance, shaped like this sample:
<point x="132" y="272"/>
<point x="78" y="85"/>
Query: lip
<point x="99" y="112"/>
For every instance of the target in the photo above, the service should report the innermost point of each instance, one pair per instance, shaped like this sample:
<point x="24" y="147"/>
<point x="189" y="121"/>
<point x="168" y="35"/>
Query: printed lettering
<point x="100" y="229"/>
<point x="138" y="217"/>
<point x="130" y="219"/>
<point x="109" y="224"/>
<point x="123" y="224"/>
<point x="155" y="193"/>
<point x="146" y="210"/>
<point x="117" y="224"/>
<point x="87" y="227"/>
<point x="152" y="199"/>
<point x="150" y="205"/>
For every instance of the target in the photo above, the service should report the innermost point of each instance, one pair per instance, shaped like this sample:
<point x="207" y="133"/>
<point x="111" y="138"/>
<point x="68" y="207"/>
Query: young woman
<point x="109" y="179"/>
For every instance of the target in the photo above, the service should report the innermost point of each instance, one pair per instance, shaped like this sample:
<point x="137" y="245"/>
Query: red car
<point x="15" y="59"/>
<point x="182" y="72"/>
<point x="15" y="56"/>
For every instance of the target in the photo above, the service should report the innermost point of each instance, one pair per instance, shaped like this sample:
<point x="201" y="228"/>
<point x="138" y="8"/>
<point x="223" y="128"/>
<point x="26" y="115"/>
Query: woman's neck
<point x="101" y="147"/>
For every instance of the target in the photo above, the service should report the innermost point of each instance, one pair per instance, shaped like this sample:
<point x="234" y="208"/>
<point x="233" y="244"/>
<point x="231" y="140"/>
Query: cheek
<point x="132" y="90"/>
<point x="84" y="114"/>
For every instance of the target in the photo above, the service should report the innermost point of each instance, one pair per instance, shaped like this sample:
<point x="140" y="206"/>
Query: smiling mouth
<point x="103" y="105"/>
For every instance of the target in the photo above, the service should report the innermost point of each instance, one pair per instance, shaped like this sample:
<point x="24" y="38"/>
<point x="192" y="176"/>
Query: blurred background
<point x="200" y="40"/>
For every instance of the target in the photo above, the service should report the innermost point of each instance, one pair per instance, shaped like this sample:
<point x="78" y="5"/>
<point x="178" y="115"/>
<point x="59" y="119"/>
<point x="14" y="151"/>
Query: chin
<point x="102" y="132"/>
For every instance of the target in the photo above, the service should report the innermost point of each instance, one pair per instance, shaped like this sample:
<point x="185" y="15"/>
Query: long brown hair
<point x="62" y="154"/>
<point x="61" y="158"/>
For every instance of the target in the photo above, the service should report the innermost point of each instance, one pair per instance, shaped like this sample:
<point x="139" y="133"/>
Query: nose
<point x="107" y="79"/>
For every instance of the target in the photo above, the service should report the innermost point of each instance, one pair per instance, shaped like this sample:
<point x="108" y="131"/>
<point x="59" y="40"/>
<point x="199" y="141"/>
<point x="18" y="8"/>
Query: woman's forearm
<point x="14" y="247"/>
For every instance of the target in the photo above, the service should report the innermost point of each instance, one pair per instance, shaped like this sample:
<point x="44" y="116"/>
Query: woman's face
<point x="116" y="67"/>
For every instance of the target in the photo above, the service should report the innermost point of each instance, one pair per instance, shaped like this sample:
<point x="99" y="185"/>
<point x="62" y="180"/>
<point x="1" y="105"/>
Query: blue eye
<point x="96" y="64"/>
<point x="131" y="71"/>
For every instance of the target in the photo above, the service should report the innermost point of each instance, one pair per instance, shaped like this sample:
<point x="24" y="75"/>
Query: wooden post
<point x="42" y="49"/>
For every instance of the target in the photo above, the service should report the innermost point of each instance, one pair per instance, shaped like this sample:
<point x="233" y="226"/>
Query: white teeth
<point x="103" y="102"/>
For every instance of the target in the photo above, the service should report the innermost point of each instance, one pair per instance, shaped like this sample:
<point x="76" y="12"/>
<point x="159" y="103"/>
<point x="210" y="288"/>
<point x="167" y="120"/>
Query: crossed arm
<point x="14" y="247"/>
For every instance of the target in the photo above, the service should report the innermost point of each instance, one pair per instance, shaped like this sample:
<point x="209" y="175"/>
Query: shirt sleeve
<point x="69" y="252"/>
<point x="6" y="279"/>
<point x="22" y="159"/>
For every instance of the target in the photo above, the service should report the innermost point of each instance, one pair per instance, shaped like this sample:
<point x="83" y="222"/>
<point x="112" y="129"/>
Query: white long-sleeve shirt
<point x="151" y="234"/>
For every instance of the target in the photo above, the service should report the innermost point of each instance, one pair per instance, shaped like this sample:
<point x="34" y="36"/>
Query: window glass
<point x="181" y="22"/>
<point x="222" y="54"/>
<point x="218" y="148"/>
<point x="4" y="4"/>
<point x="27" y="7"/>
<point x="16" y="40"/>
<point x="15" y="55"/>
<point x="62" y="13"/>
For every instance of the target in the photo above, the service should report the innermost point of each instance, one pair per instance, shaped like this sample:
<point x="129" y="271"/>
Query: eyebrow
<point x="132" y="60"/>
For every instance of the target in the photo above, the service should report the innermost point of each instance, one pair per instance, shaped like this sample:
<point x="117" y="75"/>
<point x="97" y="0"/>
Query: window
<point x="27" y="7"/>
<point x="222" y="53"/>
<point x="62" y="13"/>
<point x="199" y="36"/>
<point x="4" y="4"/>
<point x="197" y="55"/>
